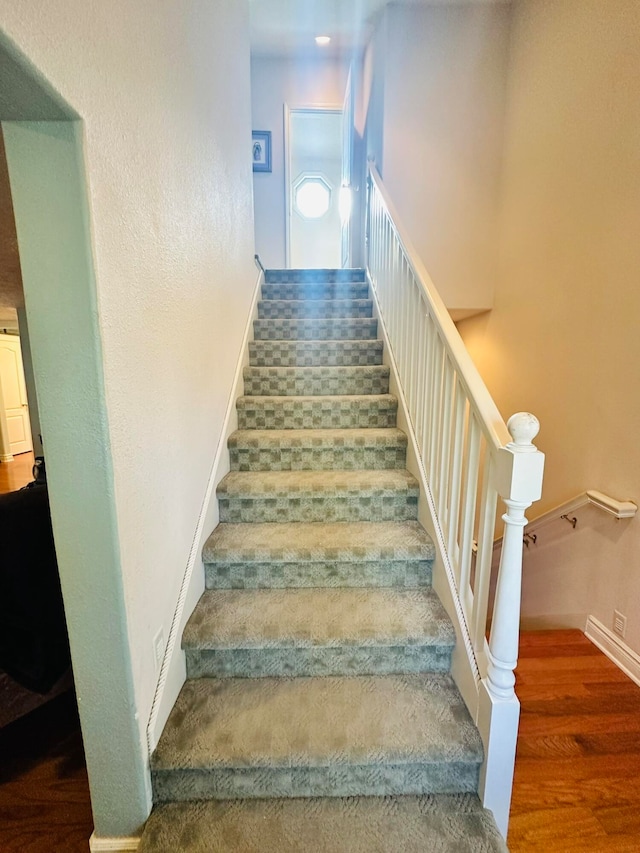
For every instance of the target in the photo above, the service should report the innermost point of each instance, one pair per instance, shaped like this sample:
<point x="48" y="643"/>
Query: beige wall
<point x="438" y="141"/>
<point x="274" y="83"/>
<point x="562" y="340"/>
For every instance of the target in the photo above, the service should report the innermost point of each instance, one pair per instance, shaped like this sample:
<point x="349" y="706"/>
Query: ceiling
<point x="24" y="94"/>
<point x="289" y="26"/>
<point x="281" y="27"/>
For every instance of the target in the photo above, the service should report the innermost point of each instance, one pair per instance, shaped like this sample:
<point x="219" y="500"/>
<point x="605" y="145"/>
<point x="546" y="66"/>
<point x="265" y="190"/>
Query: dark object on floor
<point x="34" y="648"/>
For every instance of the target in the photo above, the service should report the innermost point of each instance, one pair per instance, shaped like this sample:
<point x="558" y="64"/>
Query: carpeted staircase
<point x="319" y="714"/>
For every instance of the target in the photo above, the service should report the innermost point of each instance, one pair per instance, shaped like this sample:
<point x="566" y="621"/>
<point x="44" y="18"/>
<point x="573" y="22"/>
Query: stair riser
<point x="293" y="414"/>
<point x="291" y="309"/>
<point x="315" y="353"/>
<point x="334" y="781"/>
<point x="402" y="574"/>
<point x="311" y="290"/>
<point x="318" y="459"/>
<point x="335" y="329"/>
<point x="313" y="275"/>
<point x="301" y="662"/>
<point x="315" y="381"/>
<point x="402" y="506"/>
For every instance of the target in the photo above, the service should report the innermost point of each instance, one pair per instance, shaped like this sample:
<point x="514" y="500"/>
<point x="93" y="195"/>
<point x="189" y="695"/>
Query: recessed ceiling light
<point x="322" y="40"/>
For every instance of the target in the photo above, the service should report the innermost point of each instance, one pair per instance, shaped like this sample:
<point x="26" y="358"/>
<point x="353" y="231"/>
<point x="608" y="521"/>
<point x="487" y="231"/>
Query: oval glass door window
<point x="312" y="197"/>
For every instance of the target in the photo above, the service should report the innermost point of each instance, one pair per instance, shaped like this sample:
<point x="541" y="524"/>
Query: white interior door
<point x="13" y="395"/>
<point x="314" y="173"/>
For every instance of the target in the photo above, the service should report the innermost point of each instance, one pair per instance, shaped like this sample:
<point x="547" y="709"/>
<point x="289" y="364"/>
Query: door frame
<point x="288" y="110"/>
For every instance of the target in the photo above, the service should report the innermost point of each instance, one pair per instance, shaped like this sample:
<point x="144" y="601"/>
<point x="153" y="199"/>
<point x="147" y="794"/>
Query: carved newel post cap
<point x="523" y="428"/>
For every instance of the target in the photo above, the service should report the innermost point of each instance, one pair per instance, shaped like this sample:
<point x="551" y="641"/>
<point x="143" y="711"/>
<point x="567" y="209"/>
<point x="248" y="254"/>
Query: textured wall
<point x="562" y="339"/>
<point x="437" y="126"/>
<point x="166" y="149"/>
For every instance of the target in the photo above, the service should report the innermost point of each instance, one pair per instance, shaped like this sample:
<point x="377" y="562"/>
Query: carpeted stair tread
<point x="313" y="308"/>
<point x="314" y="275"/>
<point x="318" y="554"/>
<point x="327" y="736"/>
<point x="334" y="495"/>
<point x="304" y="632"/>
<point x="284" y="618"/>
<point x="319" y="449"/>
<point x="313" y="290"/>
<point x="257" y="483"/>
<point x="432" y="823"/>
<point x="300" y="542"/>
<point x="326" y="328"/>
<point x="314" y="353"/>
<point x="348" y="411"/>
<point x="315" y="381"/>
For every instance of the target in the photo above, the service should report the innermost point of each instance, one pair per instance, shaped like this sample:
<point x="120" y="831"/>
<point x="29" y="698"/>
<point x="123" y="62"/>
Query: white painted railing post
<point x="519" y="482"/>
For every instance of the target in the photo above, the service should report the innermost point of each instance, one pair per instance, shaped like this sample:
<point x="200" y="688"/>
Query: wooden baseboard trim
<point x="113" y="845"/>
<point x="614" y="648"/>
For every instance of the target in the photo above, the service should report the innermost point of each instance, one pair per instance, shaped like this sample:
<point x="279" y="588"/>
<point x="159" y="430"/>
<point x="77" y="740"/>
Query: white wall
<point x="562" y="340"/>
<point x="275" y="82"/>
<point x="164" y="95"/>
<point x="436" y="130"/>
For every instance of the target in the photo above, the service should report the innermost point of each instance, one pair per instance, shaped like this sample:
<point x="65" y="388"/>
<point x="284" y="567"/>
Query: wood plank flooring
<point x="14" y="475"/>
<point x="576" y="788"/>
<point x="577" y="780"/>
<point x="44" y="791"/>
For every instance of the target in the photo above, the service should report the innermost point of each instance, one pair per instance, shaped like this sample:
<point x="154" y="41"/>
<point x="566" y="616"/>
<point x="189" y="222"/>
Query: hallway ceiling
<point x="280" y="27"/>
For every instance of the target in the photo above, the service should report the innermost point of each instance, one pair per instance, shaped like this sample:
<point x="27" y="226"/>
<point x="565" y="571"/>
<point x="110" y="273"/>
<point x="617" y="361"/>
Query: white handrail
<point x="470" y="459"/>
<point x="612" y="506"/>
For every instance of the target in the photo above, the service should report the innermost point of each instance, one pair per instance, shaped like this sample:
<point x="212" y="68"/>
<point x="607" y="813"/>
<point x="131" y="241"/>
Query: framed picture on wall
<point x="261" y="150"/>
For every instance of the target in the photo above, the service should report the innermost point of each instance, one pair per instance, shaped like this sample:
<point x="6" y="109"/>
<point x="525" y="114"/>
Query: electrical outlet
<point x="619" y="623"/>
<point x="158" y="648"/>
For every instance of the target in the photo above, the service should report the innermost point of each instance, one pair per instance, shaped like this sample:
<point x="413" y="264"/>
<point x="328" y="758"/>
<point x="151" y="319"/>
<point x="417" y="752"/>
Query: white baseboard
<point x="112" y="845"/>
<point x="614" y="648"/>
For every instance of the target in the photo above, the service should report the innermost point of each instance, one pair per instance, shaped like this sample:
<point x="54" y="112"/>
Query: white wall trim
<point x="173" y="670"/>
<point x="614" y="648"/>
<point x="112" y="845"/>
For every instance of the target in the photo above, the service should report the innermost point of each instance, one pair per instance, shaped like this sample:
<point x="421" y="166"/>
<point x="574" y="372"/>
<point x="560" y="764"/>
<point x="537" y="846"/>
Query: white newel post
<point x="518" y="474"/>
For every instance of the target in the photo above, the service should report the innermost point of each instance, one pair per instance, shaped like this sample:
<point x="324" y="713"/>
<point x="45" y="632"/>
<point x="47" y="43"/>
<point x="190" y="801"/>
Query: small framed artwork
<point x="261" y="150"/>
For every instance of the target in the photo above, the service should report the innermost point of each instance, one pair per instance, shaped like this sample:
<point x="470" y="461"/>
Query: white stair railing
<point x="470" y="459"/>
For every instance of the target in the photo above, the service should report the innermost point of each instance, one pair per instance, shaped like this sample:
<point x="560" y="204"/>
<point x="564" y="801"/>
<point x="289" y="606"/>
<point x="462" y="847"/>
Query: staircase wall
<point x="433" y="105"/>
<point x="562" y="339"/>
<point x="164" y="100"/>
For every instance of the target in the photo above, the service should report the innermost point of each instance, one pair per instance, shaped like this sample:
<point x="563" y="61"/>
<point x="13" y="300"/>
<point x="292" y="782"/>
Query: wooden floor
<point x="576" y="788"/>
<point x="44" y="792"/>
<point x="577" y="780"/>
<point x="14" y="475"/>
